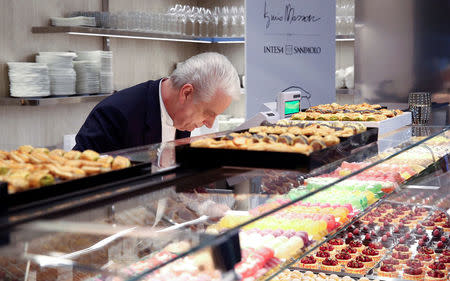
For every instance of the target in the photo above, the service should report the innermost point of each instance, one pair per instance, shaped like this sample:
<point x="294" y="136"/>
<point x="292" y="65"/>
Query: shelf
<point x="53" y="100"/>
<point x="128" y="34"/>
<point x="343" y="38"/>
<point x="115" y="33"/>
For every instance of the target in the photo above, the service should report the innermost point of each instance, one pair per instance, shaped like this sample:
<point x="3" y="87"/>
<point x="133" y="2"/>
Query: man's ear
<point x="186" y="93"/>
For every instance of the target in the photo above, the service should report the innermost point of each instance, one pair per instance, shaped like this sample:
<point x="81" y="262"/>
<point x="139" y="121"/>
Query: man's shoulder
<point x="136" y="94"/>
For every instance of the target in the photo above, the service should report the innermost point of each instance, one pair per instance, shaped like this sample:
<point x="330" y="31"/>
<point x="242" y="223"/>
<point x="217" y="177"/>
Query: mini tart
<point x="446" y="253"/>
<point x="424" y="258"/>
<point x="413" y="273"/>
<point x="337" y="243"/>
<point x="426" y="250"/>
<point x="327" y="248"/>
<point x="395" y="263"/>
<point x="309" y="262"/>
<point x="343" y="258"/>
<point x="401" y="257"/>
<point x="446" y="226"/>
<point x="415" y="263"/>
<point x="429" y="225"/>
<point x="438" y="266"/>
<point x="355" y="267"/>
<point x="402" y="249"/>
<point x="356" y="245"/>
<point x="367" y="261"/>
<point x="445" y="260"/>
<point x="321" y="255"/>
<point x="351" y="251"/>
<point x="374" y="254"/>
<point x="330" y="264"/>
<point x="435" y="275"/>
<point x="378" y="247"/>
<point x="387" y="271"/>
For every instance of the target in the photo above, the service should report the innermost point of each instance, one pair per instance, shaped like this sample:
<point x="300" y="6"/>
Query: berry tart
<point x="446" y="253"/>
<point x="337" y="243"/>
<point x="411" y="273"/>
<point x="401" y="257"/>
<point x="309" y="262"/>
<point x="351" y="251"/>
<point x="367" y="261"/>
<point x="424" y="258"/>
<point x="395" y="263"/>
<point x="374" y="254"/>
<point x="440" y="246"/>
<point x="428" y="225"/>
<point x="426" y="250"/>
<point x="367" y="239"/>
<point x="343" y="257"/>
<point x="378" y="247"/>
<point x="330" y="264"/>
<point x="415" y="263"/>
<point x="356" y="245"/>
<point x="327" y="248"/>
<point x="387" y="240"/>
<point x="439" y="221"/>
<point x="321" y="255"/>
<point x="438" y="266"/>
<point x="355" y="267"/>
<point x="446" y="226"/>
<point x="436" y="234"/>
<point x="445" y="260"/>
<point x="387" y="271"/>
<point x="402" y="249"/>
<point x="435" y="275"/>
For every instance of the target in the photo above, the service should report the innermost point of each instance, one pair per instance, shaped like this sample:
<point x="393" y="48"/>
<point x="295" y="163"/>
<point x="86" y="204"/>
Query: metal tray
<point x="64" y="188"/>
<point x="210" y="157"/>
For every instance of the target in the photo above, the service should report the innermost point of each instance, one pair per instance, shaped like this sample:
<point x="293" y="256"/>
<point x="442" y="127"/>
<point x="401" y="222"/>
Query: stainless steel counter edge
<point x="54" y="100"/>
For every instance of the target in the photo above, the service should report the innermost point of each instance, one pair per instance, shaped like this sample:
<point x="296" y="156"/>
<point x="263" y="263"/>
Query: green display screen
<point x="292" y="107"/>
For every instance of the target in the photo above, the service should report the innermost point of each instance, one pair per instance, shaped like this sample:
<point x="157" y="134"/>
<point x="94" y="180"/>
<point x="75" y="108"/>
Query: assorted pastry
<point x="353" y="112"/>
<point x="29" y="167"/>
<point x="298" y="138"/>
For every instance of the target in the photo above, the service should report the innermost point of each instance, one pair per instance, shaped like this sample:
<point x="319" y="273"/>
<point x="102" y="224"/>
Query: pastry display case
<point x="379" y="212"/>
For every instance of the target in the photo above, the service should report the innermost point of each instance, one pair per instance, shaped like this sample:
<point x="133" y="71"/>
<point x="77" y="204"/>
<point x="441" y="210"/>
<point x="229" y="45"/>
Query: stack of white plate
<point x="61" y="73"/>
<point x="87" y="77"/>
<point x="28" y="79"/>
<point x="73" y="21"/>
<point x="106" y="72"/>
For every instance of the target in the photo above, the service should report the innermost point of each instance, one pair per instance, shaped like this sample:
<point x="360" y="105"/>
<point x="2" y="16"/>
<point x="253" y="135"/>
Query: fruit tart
<point x="415" y="263"/>
<point x="374" y="254"/>
<point x="424" y="258"/>
<point x="366" y="260"/>
<point x="378" y="247"/>
<point x="330" y="264"/>
<point x="343" y="257"/>
<point x="321" y="255"/>
<point x="309" y="262"/>
<point x="435" y="275"/>
<point x="411" y="273"/>
<point x="445" y="260"/>
<point x="402" y="249"/>
<point x="326" y="248"/>
<point x="387" y="271"/>
<point x="337" y="243"/>
<point x="395" y="263"/>
<point x="351" y="251"/>
<point x="438" y="266"/>
<point x="355" y="267"/>
<point x="401" y="257"/>
<point x="426" y="250"/>
<point x="357" y="245"/>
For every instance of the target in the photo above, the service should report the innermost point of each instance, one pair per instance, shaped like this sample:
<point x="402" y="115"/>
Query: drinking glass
<point x="209" y="22"/>
<point x="420" y="107"/>
<point x="225" y="24"/>
<point x="216" y="19"/>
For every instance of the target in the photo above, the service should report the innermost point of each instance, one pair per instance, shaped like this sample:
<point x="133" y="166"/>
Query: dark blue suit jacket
<point x="128" y="118"/>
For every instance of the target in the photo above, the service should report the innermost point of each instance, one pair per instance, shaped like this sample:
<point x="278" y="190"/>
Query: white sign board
<point x="290" y="43"/>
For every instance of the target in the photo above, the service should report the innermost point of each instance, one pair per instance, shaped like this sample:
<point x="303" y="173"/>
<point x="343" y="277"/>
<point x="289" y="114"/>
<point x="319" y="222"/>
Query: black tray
<point x="65" y="188"/>
<point x="210" y="157"/>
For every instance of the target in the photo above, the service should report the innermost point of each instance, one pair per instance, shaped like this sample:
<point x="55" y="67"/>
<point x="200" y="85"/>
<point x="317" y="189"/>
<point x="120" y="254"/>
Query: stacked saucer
<point x="87" y="77"/>
<point x="28" y="79"/>
<point x="61" y="73"/>
<point x="106" y="72"/>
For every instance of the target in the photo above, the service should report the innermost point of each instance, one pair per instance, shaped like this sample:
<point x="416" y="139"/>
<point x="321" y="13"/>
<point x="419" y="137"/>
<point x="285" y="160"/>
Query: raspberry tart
<point x="330" y="264"/>
<point x="356" y="245"/>
<point x="438" y="266"/>
<point x="378" y="247"/>
<point x="424" y="258"/>
<point x="351" y="251"/>
<point x="343" y="257"/>
<point x="374" y="254"/>
<point x="321" y="255"/>
<point x="402" y="249"/>
<point x="367" y="261"/>
<point x="413" y="273"/>
<point x="388" y="271"/>
<point x="426" y="250"/>
<point x="355" y="267"/>
<point x="337" y="243"/>
<point x="309" y="262"/>
<point x="415" y="263"/>
<point x="435" y="275"/>
<point x="401" y="257"/>
<point x="445" y="260"/>
<point x="326" y="248"/>
<point x="395" y="263"/>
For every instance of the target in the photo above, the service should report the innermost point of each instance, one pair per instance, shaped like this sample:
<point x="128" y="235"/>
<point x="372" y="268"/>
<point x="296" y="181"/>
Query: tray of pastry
<point x="31" y="174"/>
<point x="303" y="146"/>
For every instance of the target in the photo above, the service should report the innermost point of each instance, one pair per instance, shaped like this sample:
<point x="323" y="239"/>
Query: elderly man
<point x="196" y="92"/>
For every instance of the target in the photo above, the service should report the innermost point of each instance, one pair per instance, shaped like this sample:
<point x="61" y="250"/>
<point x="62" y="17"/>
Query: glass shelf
<point x="128" y="34"/>
<point x="52" y="100"/>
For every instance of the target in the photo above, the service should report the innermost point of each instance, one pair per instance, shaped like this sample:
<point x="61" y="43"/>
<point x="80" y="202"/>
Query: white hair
<point x="208" y="73"/>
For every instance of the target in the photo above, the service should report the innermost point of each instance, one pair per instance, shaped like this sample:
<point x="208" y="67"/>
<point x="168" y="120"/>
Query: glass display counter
<point x="183" y="224"/>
